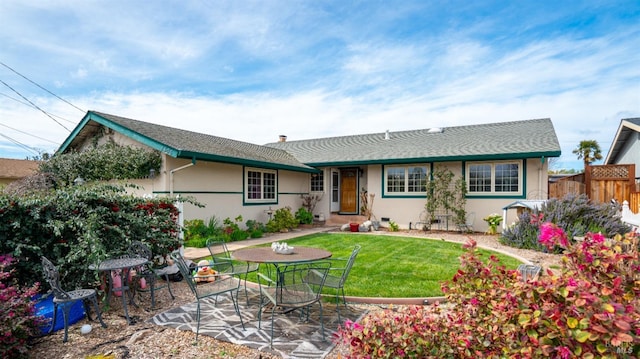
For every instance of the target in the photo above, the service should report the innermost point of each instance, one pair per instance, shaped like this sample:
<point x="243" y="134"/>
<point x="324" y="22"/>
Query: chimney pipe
<point x="282" y="138"/>
<point x="386" y="135"/>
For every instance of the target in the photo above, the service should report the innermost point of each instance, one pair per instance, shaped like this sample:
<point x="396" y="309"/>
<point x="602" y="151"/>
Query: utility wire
<point x="26" y="78"/>
<point x="36" y="106"/>
<point x="28" y="134"/>
<point x="21" y="144"/>
<point x="28" y="104"/>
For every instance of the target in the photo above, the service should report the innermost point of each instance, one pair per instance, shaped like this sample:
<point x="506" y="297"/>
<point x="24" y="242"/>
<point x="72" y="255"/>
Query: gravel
<point x="145" y="340"/>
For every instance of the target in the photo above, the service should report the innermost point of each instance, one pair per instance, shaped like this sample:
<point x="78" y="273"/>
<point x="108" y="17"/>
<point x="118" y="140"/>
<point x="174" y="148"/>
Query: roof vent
<point x="386" y="135"/>
<point x="282" y="138"/>
<point x="435" y="130"/>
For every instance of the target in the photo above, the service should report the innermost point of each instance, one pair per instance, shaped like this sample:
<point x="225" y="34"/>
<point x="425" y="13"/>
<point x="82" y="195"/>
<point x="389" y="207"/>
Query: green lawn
<point x="400" y="267"/>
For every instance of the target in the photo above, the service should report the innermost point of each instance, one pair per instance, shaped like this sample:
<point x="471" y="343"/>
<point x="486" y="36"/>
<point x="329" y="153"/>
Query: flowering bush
<point x="81" y="225"/>
<point x="590" y="309"/>
<point x="493" y="220"/>
<point x="18" y="321"/>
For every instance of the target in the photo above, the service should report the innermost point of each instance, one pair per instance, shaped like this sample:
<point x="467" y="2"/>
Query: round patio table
<point x="267" y="255"/>
<point x="123" y="265"/>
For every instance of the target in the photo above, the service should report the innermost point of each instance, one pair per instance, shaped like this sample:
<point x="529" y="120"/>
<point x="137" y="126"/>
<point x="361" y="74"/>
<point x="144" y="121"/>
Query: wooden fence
<point x="602" y="184"/>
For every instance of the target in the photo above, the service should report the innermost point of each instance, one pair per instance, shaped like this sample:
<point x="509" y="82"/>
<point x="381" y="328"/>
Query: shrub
<point x="82" y="225"/>
<point x="282" y="219"/>
<point x="256" y="229"/>
<point x="196" y="230"/>
<point x="591" y="308"/>
<point x="303" y="216"/>
<point x="18" y="322"/>
<point x="231" y="231"/>
<point x="393" y="226"/>
<point x="576" y="215"/>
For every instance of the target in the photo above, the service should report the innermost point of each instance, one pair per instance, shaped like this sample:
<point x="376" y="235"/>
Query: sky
<point x="254" y="70"/>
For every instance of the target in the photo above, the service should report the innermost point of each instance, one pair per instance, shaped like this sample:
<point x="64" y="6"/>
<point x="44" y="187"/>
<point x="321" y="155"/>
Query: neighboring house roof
<point x="504" y="140"/>
<point x="627" y="127"/>
<point x="184" y="144"/>
<point x="15" y="169"/>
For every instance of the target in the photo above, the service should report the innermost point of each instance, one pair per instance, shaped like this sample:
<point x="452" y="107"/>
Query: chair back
<point x="52" y="276"/>
<point x="185" y="271"/>
<point x="220" y="255"/>
<point x="471" y="217"/>
<point x="294" y="290"/>
<point x="139" y="249"/>
<point x="349" y="265"/>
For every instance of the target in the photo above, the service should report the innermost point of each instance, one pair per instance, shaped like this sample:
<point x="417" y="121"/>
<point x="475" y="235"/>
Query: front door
<point x="349" y="191"/>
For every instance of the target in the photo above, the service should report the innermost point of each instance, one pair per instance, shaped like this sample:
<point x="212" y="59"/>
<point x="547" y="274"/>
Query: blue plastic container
<point x="44" y="307"/>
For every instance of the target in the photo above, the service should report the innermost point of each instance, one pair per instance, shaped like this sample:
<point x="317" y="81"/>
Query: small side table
<point x="124" y="265"/>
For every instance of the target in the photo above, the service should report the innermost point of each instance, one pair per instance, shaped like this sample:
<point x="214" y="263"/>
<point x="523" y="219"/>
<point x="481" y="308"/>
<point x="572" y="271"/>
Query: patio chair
<point x="289" y="290"/>
<point x="337" y="276"/>
<point x="467" y="226"/>
<point x="148" y="272"/>
<point x="224" y="283"/>
<point x="222" y="257"/>
<point x="65" y="300"/>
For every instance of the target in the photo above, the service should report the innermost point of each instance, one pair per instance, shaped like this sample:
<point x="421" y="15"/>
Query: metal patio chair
<point x="290" y="290"/>
<point x="224" y="283"/>
<point x="337" y="276"/>
<point x="66" y="299"/>
<point x="222" y="257"/>
<point x="148" y="272"/>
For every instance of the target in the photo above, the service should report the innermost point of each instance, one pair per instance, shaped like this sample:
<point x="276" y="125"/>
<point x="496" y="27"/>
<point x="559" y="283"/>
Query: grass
<point x="395" y="267"/>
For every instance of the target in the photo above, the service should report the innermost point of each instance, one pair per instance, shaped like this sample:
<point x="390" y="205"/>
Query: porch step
<point x="336" y="219"/>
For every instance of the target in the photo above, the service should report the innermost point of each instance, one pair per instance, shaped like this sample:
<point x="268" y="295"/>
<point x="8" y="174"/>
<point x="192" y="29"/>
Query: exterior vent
<point x="386" y="135"/>
<point x="282" y="138"/>
<point x="435" y="130"/>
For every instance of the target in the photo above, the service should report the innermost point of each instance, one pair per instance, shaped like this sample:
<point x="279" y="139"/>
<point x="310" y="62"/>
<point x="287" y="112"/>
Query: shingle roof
<point x="504" y="140"/>
<point x="14" y="169"/>
<point x="185" y="144"/>
<point x="626" y="128"/>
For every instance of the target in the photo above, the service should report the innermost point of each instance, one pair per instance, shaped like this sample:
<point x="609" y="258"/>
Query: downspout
<point x="540" y="179"/>
<point x="193" y="162"/>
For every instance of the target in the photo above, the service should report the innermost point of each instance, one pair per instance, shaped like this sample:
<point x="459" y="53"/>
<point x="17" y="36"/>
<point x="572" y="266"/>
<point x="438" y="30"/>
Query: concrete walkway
<point x="197" y="253"/>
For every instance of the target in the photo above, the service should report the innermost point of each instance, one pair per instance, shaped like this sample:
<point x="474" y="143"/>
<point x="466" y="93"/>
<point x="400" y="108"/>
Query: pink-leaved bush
<point x="18" y="319"/>
<point x="590" y="308"/>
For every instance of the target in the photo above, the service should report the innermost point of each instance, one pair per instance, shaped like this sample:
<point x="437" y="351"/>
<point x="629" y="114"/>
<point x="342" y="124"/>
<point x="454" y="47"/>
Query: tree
<point x="588" y="151"/>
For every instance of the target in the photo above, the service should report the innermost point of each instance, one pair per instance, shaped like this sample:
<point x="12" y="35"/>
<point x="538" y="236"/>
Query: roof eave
<point x="244" y="162"/>
<point x="489" y="157"/>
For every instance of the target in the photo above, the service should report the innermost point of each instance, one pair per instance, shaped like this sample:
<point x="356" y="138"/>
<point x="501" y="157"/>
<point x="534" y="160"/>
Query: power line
<point x="28" y="104"/>
<point x="34" y="105"/>
<point x="21" y="144"/>
<point x="28" y="134"/>
<point x="26" y="78"/>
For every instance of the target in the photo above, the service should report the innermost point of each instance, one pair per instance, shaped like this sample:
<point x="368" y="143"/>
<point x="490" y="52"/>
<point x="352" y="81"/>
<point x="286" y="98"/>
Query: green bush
<point x="303" y="216"/>
<point x="576" y="215"/>
<point x="256" y="229"/>
<point x="196" y="229"/>
<point x="282" y="219"/>
<point x="82" y="225"/>
<point x="591" y="309"/>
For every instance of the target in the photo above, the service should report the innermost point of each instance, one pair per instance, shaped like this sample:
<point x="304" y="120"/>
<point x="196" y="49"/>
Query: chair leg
<point x="94" y="299"/>
<point x="321" y="320"/>
<point x="198" y="320"/>
<point x="53" y="320"/>
<point x="237" y="307"/>
<point x="166" y="278"/>
<point x="66" y="313"/>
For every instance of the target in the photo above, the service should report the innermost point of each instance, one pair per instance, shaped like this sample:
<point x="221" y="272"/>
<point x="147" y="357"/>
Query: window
<point x="260" y="185"/>
<point x="406" y="180"/>
<point x="317" y="182"/>
<point x="494" y="178"/>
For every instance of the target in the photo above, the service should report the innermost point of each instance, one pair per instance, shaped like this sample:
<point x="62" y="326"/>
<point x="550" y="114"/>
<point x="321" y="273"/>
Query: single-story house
<point x="12" y="169"/>
<point x="501" y="163"/>
<point x="625" y="148"/>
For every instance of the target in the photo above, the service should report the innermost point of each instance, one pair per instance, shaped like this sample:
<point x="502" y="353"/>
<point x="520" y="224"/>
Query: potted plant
<point x="493" y="220"/>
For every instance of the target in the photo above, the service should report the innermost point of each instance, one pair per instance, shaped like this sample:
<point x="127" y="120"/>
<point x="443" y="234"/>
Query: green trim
<point x="495" y="157"/>
<point x="201" y="192"/>
<point x="243" y="162"/>
<point x="259" y="202"/>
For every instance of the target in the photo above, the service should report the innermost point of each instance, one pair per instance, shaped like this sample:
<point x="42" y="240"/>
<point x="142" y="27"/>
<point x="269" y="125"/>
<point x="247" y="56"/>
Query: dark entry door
<point x="349" y="191"/>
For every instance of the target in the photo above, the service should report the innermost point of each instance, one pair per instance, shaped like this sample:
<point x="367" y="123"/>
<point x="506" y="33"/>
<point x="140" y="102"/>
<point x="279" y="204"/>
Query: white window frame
<point x="405" y="191"/>
<point x="316" y="177"/>
<point x="248" y="185"/>
<point x="493" y="191"/>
